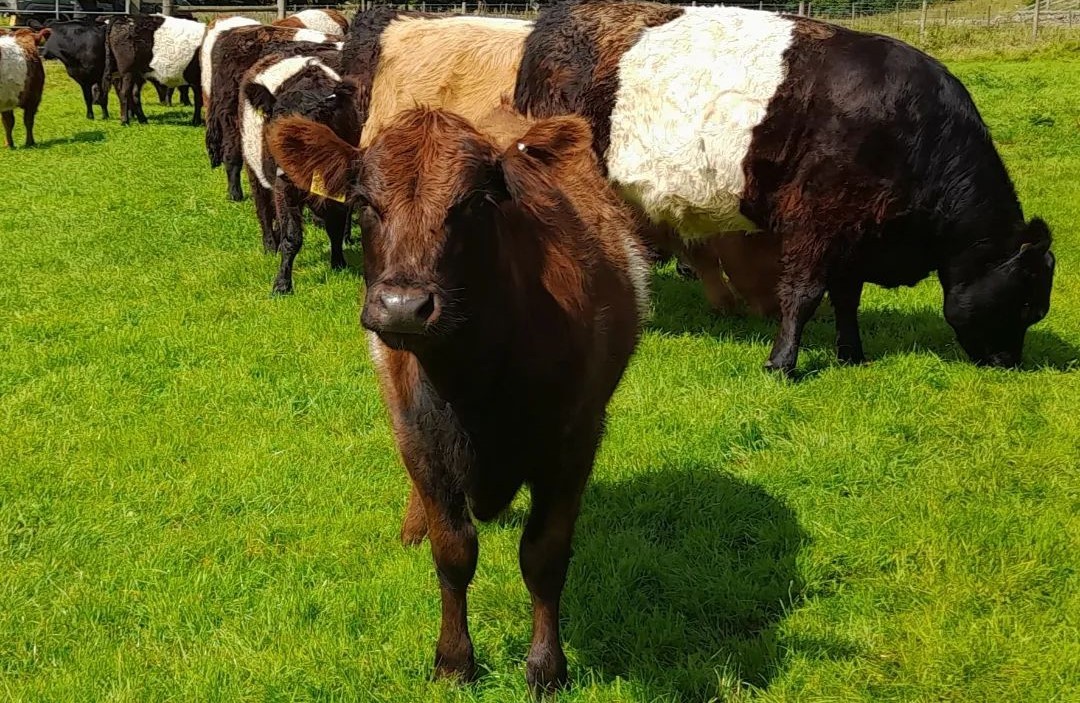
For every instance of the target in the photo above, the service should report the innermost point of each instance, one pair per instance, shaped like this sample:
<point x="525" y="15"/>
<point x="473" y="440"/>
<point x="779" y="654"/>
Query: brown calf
<point x="22" y="80"/>
<point x="505" y="293"/>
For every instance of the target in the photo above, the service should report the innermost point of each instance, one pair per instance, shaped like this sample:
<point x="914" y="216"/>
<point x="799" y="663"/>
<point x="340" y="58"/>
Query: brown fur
<point x="32" y="89"/>
<point x="532" y="260"/>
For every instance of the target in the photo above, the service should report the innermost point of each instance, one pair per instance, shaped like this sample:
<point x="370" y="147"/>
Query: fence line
<point x="906" y="17"/>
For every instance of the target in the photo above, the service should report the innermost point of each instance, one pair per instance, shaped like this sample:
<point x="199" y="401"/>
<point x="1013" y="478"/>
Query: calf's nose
<point x="403" y="310"/>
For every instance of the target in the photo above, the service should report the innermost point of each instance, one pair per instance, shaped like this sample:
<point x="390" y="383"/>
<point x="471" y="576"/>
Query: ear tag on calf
<point x="318" y="187"/>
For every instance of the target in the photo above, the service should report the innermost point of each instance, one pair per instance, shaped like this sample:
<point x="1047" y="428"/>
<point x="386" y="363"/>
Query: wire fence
<point x="908" y="19"/>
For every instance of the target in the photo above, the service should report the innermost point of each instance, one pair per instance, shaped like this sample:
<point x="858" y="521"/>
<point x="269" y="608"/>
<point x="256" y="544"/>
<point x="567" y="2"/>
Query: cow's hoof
<point x="338" y="265"/>
<point x="282" y="287"/>
<point x="787" y="370"/>
<point x="546" y="674"/>
<point x="850" y="357"/>
<point x="461" y="668"/>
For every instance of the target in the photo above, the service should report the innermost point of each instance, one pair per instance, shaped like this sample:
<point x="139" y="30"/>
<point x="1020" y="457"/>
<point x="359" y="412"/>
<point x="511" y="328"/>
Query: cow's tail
<point x="214" y="146"/>
<point x="110" y="63"/>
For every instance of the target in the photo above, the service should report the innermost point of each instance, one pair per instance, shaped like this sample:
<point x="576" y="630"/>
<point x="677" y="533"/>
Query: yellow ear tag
<point x="318" y="187"/>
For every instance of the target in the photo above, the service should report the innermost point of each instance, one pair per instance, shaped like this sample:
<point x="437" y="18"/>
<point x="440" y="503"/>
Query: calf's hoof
<point x="460" y="667"/>
<point x="850" y="357"/>
<point x="282" y="287"/>
<point x="338" y="265"/>
<point x="546" y="673"/>
<point x="236" y="196"/>
<point x="783" y="368"/>
<point x="197" y="123"/>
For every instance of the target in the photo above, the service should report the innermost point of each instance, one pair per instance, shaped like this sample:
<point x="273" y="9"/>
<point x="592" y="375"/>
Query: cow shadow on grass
<point x="679" y="307"/>
<point x="87" y="137"/>
<point x="679" y="582"/>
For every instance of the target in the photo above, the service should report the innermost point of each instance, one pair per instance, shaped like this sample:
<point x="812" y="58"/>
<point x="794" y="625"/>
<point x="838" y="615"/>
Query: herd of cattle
<point x="515" y="180"/>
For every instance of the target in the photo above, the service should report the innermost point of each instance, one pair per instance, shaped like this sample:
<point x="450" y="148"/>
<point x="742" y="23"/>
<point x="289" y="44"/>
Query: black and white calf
<point x="22" y="80"/>
<point x="165" y="49"/>
<point x="865" y="155"/>
<point x="306" y="85"/>
<point x="234" y="52"/>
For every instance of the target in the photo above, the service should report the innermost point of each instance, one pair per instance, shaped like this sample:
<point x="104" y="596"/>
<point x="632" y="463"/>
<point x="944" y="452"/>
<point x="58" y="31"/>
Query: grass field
<point x="200" y="496"/>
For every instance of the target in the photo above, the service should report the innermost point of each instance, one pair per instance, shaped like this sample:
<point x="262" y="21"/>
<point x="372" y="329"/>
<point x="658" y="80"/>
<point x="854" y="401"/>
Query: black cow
<point x="80" y="46"/>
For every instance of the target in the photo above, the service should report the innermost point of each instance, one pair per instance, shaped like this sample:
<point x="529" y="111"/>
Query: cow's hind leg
<point x="8" y="118"/>
<point x="801" y="288"/>
<point x="336" y="220"/>
<point x="233" y="167"/>
<point x="29" y="113"/>
<point x="197" y="117"/>
<point x="291" y="228"/>
<point x="137" y="102"/>
<point x="844" y="292"/>
<point x="126" y="97"/>
<point x="88" y="99"/>
<point x="265" y="213"/>
<point x="185" y="95"/>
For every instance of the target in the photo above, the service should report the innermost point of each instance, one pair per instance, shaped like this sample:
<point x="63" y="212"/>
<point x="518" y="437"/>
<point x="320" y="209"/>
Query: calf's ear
<point x="557" y="139"/>
<point x="260" y="97"/>
<point x="313" y="157"/>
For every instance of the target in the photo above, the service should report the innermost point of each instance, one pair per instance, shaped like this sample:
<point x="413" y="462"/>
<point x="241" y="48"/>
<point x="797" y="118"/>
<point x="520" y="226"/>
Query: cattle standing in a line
<point x="867" y="157"/>
<point x="22" y="80"/>
<point x="326" y="21"/>
<point x="309" y="86"/>
<point x="233" y="53"/>
<point x="505" y="293"/>
<point x="152" y="46"/>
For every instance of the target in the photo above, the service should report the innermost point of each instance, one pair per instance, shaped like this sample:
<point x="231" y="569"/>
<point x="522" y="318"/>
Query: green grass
<point x="200" y="496"/>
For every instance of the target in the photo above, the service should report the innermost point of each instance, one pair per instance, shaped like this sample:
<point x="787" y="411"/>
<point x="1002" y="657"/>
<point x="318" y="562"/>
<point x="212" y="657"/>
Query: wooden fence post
<point x="987" y="15"/>
<point x="852" y="13"/>
<point x="946" y="17"/>
<point x="922" y="20"/>
<point x="166" y="7"/>
<point x="1035" y="20"/>
<point x="281" y="9"/>
<point x="898" y="16"/>
<point x="802" y="8"/>
<point x="463" y="7"/>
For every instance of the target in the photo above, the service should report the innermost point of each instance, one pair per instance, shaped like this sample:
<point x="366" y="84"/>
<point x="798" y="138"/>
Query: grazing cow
<point x="22" y="80"/>
<point x="161" y="48"/>
<point x="867" y="157"/>
<point x="326" y="21"/>
<point x="80" y="46"/>
<point x="505" y="293"/>
<point x="307" y="85"/>
<point x="233" y="54"/>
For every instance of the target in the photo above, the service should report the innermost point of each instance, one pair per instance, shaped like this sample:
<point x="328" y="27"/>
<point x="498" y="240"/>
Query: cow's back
<point x="466" y="65"/>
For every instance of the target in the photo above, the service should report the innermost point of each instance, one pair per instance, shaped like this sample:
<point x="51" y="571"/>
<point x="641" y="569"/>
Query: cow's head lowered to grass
<point x="440" y="205"/>
<point x="991" y="309"/>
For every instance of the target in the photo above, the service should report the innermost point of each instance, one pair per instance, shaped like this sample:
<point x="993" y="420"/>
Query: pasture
<point x="200" y="495"/>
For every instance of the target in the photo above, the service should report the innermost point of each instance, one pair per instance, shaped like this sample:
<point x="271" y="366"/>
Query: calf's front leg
<point x="455" y="551"/>
<point x="545" y="557"/>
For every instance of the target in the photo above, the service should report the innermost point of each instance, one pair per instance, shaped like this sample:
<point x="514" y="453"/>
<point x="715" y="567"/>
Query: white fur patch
<point x="206" y="52"/>
<point x="252" y="122"/>
<point x="320" y="22"/>
<point x="311" y="35"/>
<point x="13" y="70"/>
<point x="690" y="94"/>
<point x="175" y="44"/>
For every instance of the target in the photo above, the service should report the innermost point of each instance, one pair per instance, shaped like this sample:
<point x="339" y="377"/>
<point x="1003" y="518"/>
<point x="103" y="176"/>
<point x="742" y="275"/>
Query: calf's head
<point x="435" y="195"/>
<point x="992" y="312"/>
